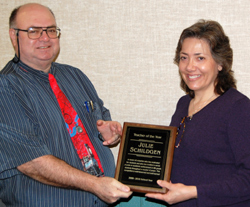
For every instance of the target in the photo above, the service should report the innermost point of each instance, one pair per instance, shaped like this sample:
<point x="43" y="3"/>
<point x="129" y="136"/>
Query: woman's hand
<point x="176" y="192"/>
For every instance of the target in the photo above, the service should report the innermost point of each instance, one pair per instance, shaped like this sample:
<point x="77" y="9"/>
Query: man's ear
<point x="13" y="37"/>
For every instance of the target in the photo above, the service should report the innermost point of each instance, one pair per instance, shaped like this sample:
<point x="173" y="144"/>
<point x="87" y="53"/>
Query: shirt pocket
<point x="92" y="111"/>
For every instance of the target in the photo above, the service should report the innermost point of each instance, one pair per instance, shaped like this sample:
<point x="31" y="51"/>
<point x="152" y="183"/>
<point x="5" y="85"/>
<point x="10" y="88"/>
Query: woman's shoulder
<point x="233" y="95"/>
<point x="184" y="100"/>
<point x="233" y="100"/>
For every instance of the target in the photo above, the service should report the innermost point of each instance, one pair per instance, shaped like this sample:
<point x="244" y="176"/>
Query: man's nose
<point x="44" y="36"/>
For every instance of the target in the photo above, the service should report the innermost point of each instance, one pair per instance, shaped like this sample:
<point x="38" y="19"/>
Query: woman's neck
<point x="199" y="102"/>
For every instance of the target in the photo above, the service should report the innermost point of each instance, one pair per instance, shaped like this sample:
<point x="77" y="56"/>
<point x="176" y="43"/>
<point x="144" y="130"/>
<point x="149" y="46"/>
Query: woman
<point x="211" y="165"/>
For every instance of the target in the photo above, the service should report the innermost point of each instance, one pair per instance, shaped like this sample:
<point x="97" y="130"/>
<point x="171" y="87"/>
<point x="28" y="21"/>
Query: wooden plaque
<point x="145" y="156"/>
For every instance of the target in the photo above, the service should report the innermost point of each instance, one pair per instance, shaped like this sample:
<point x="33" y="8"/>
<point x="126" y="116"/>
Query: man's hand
<point x="176" y="192"/>
<point x="111" y="131"/>
<point x="109" y="190"/>
<point x="53" y="171"/>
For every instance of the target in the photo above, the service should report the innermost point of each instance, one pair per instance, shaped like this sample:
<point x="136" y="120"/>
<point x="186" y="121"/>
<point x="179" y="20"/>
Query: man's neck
<point x="45" y="67"/>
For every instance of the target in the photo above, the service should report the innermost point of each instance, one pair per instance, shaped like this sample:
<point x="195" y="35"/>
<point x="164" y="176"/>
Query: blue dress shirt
<point x="31" y="125"/>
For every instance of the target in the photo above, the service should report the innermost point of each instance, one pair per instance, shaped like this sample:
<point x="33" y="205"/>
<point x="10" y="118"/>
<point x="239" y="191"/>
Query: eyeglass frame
<point x="46" y="30"/>
<point x="183" y="130"/>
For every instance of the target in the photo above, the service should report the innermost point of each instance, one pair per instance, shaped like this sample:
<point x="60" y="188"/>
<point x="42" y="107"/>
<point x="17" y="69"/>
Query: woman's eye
<point x="201" y="58"/>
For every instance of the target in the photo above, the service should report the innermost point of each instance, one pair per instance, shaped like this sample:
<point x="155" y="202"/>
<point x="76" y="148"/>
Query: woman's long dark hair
<point x="222" y="53"/>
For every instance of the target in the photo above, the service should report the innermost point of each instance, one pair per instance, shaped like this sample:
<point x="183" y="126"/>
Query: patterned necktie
<point x="85" y="150"/>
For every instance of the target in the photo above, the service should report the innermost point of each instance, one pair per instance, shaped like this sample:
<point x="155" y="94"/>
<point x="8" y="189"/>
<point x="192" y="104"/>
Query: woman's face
<point x="197" y="67"/>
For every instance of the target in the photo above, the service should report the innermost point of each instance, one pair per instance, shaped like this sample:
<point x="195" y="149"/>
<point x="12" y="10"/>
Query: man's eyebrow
<point x="42" y="27"/>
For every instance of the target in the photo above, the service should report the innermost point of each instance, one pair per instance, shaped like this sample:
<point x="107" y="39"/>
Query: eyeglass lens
<point x="36" y="32"/>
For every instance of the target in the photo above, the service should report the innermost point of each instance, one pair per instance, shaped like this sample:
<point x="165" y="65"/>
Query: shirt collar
<point x="37" y="73"/>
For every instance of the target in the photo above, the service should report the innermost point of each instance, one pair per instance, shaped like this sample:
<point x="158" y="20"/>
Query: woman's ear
<point x="219" y="68"/>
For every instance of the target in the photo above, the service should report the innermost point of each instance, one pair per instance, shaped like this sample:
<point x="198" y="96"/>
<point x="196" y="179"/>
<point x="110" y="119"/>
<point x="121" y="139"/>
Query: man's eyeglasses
<point x="36" y="32"/>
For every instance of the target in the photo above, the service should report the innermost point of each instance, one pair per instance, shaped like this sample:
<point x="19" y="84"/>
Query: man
<point x="41" y="159"/>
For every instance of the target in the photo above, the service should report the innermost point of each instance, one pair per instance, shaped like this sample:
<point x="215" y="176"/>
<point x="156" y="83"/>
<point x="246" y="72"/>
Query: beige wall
<point x="126" y="47"/>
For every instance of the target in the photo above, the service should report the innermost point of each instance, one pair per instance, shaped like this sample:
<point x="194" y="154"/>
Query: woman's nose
<point x="190" y="65"/>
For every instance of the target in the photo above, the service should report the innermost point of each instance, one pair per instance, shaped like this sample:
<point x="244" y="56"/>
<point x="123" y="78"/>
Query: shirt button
<point x="79" y="129"/>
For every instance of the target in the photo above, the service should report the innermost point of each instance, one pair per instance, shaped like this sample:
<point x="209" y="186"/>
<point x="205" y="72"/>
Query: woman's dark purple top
<point x="214" y="154"/>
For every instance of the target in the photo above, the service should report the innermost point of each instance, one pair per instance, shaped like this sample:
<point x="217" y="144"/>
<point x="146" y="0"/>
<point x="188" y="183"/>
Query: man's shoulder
<point x="8" y="74"/>
<point x="8" y="68"/>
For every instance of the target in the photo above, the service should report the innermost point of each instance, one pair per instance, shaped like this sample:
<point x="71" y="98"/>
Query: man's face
<point x="38" y="53"/>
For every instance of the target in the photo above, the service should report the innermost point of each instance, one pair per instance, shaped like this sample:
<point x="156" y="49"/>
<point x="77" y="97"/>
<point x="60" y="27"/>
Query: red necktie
<point x="85" y="150"/>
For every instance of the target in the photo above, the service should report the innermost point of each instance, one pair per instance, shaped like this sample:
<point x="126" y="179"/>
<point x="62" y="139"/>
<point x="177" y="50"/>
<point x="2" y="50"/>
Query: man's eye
<point x="52" y="30"/>
<point x="34" y="31"/>
<point x="201" y="58"/>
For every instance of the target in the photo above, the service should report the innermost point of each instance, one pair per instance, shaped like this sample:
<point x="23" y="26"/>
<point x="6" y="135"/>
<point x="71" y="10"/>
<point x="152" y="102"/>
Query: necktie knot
<point x="52" y="82"/>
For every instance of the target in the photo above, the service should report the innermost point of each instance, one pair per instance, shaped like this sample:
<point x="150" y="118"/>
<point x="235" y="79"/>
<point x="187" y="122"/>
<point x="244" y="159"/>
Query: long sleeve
<point x="214" y="153"/>
<point x="32" y="125"/>
<point x="232" y="188"/>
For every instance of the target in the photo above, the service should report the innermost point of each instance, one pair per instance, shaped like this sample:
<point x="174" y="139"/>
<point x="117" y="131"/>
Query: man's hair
<point x="13" y="15"/>
<point x="213" y="33"/>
